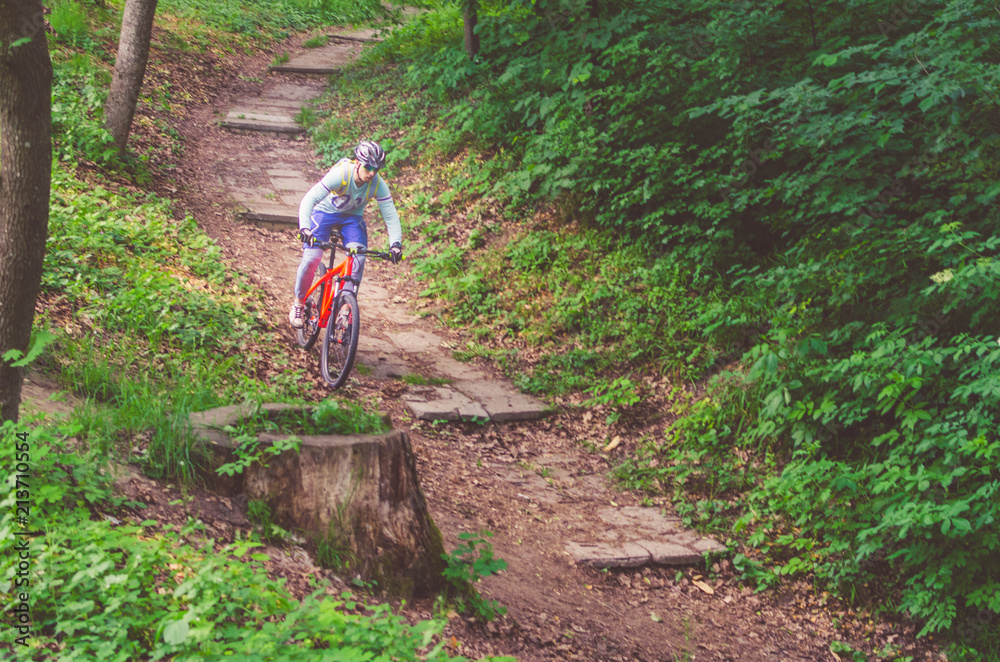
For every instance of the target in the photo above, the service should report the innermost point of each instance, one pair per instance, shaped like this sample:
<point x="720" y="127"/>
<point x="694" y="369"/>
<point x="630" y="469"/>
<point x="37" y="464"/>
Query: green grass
<point x="149" y="325"/>
<point x="329" y="416"/>
<point x="146" y="324"/>
<point x="70" y="21"/>
<point x="849" y="433"/>
<point x="107" y="585"/>
<point x="316" y="42"/>
<point x="261" y="21"/>
<point x="420" y="380"/>
<point x="160" y="326"/>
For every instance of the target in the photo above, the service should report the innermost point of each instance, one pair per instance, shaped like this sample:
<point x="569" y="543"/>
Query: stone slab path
<point x="270" y="183"/>
<point x="324" y="60"/>
<point x="268" y="174"/>
<point x="274" y="111"/>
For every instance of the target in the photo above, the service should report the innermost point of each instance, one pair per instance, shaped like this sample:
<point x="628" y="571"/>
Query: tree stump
<point x="358" y="496"/>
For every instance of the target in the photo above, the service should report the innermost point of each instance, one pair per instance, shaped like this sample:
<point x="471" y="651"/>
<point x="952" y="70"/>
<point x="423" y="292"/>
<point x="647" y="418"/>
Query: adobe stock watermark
<point x="20" y="595"/>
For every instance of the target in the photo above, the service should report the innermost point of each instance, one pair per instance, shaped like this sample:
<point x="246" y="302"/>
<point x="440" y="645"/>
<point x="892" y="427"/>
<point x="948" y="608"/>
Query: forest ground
<point x="492" y="477"/>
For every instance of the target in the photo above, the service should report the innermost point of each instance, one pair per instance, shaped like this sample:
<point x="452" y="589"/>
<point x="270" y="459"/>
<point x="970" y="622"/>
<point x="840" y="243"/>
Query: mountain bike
<point x="327" y="294"/>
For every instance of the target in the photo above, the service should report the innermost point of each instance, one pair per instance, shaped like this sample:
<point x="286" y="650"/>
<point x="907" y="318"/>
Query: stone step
<point x="468" y="401"/>
<point x="274" y="217"/>
<point x="245" y="124"/>
<point x="258" y="115"/>
<point x="279" y="107"/>
<point x="362" y="36"/>
<point x="644" y="537"/>
<point x="300" y="91"/>
<point x="324" y="60"/>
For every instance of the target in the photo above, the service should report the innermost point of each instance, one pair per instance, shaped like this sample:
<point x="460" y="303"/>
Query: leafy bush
<point x="467" y="564"/>
<point x="79" y="89"/>
<point x="804" y="201"/>
<point x="267" y="19"/>
<point x="70" y="21"/>
<point x="104" y="589"/>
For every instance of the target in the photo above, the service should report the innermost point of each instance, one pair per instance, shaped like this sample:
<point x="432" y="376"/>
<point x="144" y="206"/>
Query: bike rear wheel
<point x="340" y="345"/>
<point x="309" y="332"/>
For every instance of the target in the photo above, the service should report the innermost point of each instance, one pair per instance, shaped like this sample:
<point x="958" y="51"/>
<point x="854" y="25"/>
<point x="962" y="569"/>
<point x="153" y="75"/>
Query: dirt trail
<point x="531" y="483"/>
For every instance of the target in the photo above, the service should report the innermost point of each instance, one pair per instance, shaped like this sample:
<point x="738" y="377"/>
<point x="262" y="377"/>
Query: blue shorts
<point x="351" y="226"/>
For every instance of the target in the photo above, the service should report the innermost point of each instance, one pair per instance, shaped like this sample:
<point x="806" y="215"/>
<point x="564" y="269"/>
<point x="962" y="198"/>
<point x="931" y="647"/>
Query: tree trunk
<point x="357" y="498"/>
<point x="470" y="17"/>
<point x="130" y="67"/>
<point x="25" y="178"/>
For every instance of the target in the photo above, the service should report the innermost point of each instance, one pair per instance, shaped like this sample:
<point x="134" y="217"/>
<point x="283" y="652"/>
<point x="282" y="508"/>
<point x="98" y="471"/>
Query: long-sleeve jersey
<point x="337" y="192"/>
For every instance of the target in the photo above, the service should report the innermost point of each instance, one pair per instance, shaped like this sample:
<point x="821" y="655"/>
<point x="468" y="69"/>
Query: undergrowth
<point x="102" y="588"/>
<point x="793" y="206"/>
<point x="142" y="319"/>
<point x="261" y="21"/>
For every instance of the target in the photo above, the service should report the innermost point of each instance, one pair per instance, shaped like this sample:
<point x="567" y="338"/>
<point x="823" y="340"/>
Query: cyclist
<point x="338" y="201"/>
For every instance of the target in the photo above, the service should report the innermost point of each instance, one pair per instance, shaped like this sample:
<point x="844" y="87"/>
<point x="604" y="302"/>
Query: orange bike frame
<point x="335" y="275"/>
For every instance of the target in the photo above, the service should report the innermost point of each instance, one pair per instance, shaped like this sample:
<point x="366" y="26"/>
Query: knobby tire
<point x="308" y="334"/>
<point x="340" y="345"/>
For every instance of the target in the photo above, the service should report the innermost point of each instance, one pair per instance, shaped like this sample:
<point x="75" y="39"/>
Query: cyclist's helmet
<point x="370" y="155"/>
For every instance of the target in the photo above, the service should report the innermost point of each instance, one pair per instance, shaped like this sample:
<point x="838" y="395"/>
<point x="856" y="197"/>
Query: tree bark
<point x="25" y="179"/>
<point x="470" y="18"/>
<point x="130" y="68"/>
<point x="358" y="495"/>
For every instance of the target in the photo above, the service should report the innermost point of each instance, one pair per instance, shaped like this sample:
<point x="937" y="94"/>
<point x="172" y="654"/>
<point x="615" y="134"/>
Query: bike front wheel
<point x="340" y="346"/>
<point x="309" y="332"/>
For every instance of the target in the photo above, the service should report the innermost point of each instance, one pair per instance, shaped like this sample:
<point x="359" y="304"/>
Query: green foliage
<point x="797" y="201"/>
<point x="618" y="394"/>
<point x="70" y="21"/>
<point x="265" y="20"/>
<point x="259" y="513"/>
<point x="329" y="416"/>
<point x="316" y="42"/>
<point x="79" y="90"/>
<point x="132" y="263"/>
<point x="467" y="564"/>
<point x="340" y="417"/>
<point x="150" y="324"/>
<point x="106" y="589"/>
<point x="249" y="451"/>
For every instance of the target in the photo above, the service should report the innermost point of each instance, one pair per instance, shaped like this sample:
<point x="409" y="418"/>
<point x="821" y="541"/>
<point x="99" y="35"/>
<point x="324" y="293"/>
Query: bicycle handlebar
<point x="357" y="251"/>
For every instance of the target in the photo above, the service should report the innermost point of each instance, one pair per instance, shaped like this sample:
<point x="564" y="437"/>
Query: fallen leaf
<point x="613" y="444"/>
<point x="654" y="617"/>
<point x="704" y="587"/>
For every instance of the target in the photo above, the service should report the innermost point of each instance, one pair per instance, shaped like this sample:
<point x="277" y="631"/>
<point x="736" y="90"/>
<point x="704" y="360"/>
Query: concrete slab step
<point x="257" y="115"/>
<point x="441" y="403"/>
<point x="288" y="110"/>
<point x="273" y="217"/>
<point x="465" y="401"/>
<point x="502" y="402"/>
<point x="324" y="60"/>
<point x="361" y="35"/>
<point x="650" y="538"/>
<point x="282" y="128"/>
<point x="276" y="103"/>
<point x="300" y="91"/>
